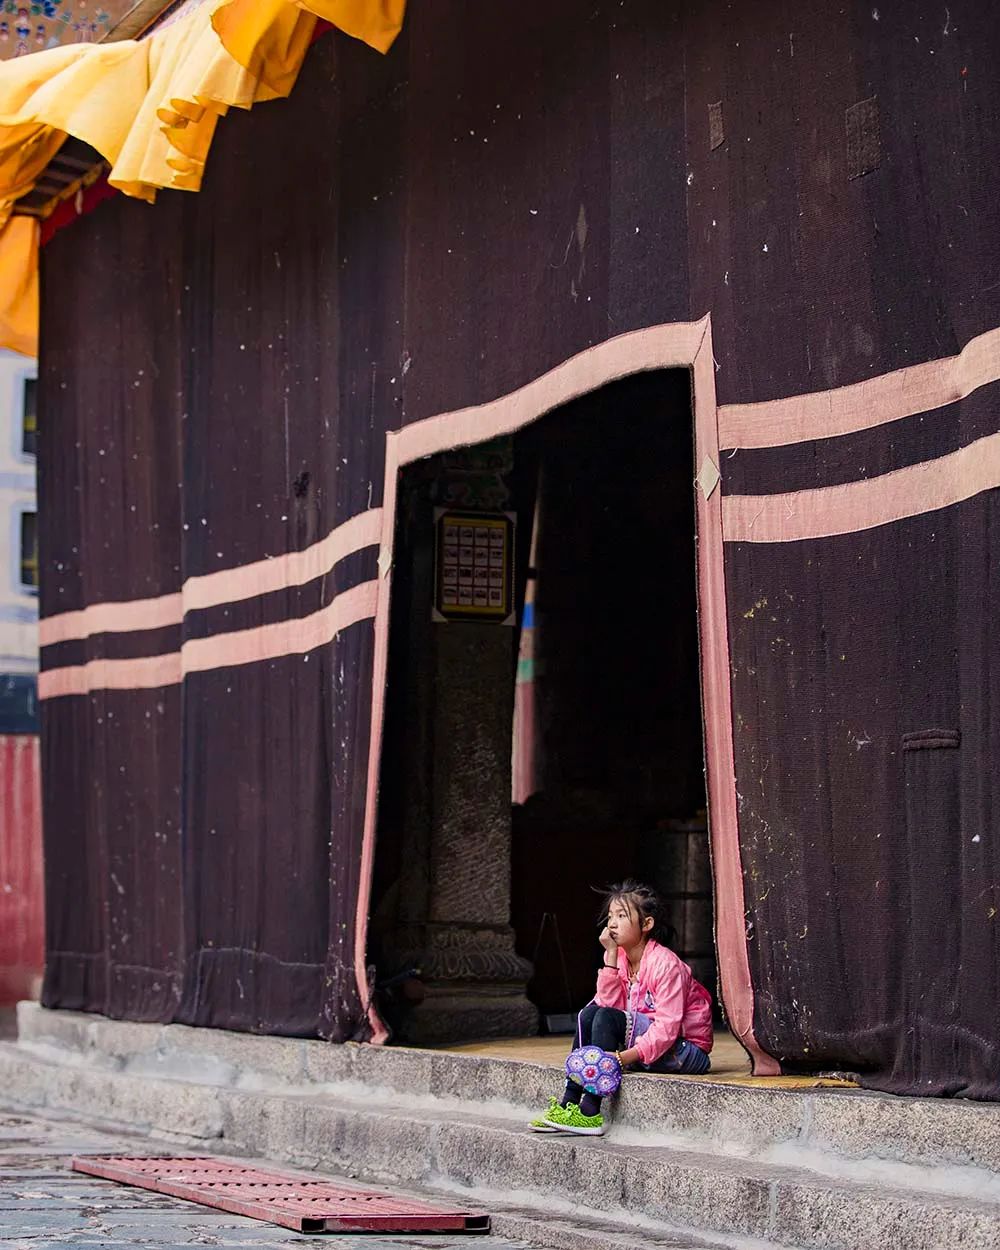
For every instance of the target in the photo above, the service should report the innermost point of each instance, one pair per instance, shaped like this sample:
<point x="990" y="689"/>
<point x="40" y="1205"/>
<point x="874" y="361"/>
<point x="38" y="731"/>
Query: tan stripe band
<point x="864" y="405"/>
<point x="245" y="646"/>
<point x="111" y="618"/>
<point x="269" y="642"/>
<point x="294" y="568"/>
<point x="148" y="673"/>
<point x="854" y="506"/>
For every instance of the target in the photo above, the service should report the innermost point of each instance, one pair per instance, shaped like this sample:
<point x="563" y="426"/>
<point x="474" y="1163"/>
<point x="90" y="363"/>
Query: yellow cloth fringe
<point x="269" y="37"/>
<point x="19" y="285"/>
<point x="150" y="108"/>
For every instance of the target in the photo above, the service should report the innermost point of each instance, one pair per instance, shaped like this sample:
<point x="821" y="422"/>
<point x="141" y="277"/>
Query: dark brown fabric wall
<point x="430" y="230"/>
<point x="110" y="495"/>
<point x="868" y="870"/>
<point x="868" y="841"/>
<point x="231" y="810"/>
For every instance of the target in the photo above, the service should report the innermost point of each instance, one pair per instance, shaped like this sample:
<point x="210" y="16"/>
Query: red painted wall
<point x="21" y="907"/>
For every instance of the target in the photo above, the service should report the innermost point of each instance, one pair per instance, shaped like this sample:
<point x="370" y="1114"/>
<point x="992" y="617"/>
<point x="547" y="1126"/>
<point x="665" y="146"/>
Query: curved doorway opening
<point x="531" y="758"/>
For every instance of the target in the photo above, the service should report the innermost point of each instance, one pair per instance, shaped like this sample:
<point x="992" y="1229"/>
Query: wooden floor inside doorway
<point x="730" y="1064"/>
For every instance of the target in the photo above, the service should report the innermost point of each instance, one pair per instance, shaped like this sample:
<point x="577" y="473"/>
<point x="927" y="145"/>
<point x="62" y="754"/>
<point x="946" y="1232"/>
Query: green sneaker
<point x="539" y="1125"/>
<point x="570" y="1119"/>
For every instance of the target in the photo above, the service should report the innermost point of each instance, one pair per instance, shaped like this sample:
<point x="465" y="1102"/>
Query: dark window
<point x="29" y="425"/>
<point x="29" y="549"/>
<point x="18" y="704"/>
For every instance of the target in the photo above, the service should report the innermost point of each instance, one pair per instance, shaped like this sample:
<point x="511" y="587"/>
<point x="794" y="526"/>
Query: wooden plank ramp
<point x="305" y="1204"/>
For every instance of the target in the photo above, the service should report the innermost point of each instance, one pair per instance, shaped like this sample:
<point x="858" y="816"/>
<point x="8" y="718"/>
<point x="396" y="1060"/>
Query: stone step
<point x="854" y="1126"/>
<point x="558" y="1229"/>
<point x="483" y="1151"/>
<point x="581" y="1231"/>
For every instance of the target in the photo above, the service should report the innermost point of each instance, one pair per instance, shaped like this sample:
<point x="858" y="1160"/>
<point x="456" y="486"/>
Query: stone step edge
<point x="850" y="1125"/>
<point x="586" y="1233"/>
<point x="492" y="1113"/>
<point x="561" y="1226"/>
<point x="570" y="1227"/>
<point x="854" y="1124"/>
<point x="769" y="1201"/>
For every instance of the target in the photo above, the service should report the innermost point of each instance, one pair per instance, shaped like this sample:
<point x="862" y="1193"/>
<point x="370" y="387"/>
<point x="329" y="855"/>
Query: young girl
<point x="648" y="1009"/>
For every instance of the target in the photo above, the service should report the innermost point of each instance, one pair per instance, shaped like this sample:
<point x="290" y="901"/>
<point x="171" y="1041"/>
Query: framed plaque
<point x="474" y="566"/>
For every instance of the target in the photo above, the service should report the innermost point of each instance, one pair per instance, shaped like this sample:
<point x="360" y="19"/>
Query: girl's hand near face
<point x="608" y="942"/>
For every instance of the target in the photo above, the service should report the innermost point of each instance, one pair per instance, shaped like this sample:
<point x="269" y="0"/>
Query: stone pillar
<point x="475" y="981"/>
<point x="454" y="913"/>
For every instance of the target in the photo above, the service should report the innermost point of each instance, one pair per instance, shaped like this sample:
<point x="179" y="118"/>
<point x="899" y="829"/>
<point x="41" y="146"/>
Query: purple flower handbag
<point x="596" y="1070"/>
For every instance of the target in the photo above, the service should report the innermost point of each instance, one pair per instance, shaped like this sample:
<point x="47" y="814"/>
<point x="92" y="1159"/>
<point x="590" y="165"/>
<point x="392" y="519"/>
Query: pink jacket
<point x="665" y="990"/>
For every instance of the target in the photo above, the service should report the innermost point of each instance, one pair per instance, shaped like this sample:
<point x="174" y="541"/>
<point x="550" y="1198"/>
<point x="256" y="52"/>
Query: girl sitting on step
<point x="648" y="1010"/>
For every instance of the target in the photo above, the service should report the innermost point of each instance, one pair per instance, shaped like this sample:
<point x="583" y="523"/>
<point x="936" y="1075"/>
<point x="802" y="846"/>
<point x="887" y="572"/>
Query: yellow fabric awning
<point x="19" y="285"/>
<point x="150" y="108"/>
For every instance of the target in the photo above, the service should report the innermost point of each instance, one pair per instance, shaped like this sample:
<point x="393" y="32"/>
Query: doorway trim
<point x="673" y="345"/>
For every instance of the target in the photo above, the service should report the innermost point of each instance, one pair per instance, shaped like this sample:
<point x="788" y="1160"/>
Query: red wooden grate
<point x="300" y="1202"/>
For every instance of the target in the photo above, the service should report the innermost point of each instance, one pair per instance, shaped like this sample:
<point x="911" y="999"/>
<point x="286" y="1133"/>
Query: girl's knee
<point x="609" y="1028"/>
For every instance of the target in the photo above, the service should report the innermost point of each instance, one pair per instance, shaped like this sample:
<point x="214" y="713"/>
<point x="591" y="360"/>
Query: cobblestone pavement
<point x="43" y="1204"/>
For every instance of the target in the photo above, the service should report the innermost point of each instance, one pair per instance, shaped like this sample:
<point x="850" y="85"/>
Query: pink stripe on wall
<point x="147" y="673"/>
<point x="720" y="763"/>
<point x="245" y="646"/>
<point x="826" y="414"/>
<point x="270" y="642"/>
<point x="658" y="347"/>
<point x="380" y="669"/>
<point x="854" y="506"/>
<point x="111" y="618"/>
<point x="294" y="568"/>
<point x="820" y="414"/>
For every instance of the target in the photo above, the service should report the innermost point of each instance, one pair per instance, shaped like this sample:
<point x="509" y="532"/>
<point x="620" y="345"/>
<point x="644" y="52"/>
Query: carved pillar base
<point x="474" y="984"/>
<point x="452" y="1014"/>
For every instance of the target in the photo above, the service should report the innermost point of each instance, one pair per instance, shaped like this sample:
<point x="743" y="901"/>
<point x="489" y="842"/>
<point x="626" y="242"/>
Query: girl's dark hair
<point x="644" y="901"/>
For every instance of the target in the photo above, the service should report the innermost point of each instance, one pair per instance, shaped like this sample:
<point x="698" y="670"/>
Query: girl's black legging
<point x="597" y="1026"/>
<point x="602" y="1026"/>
